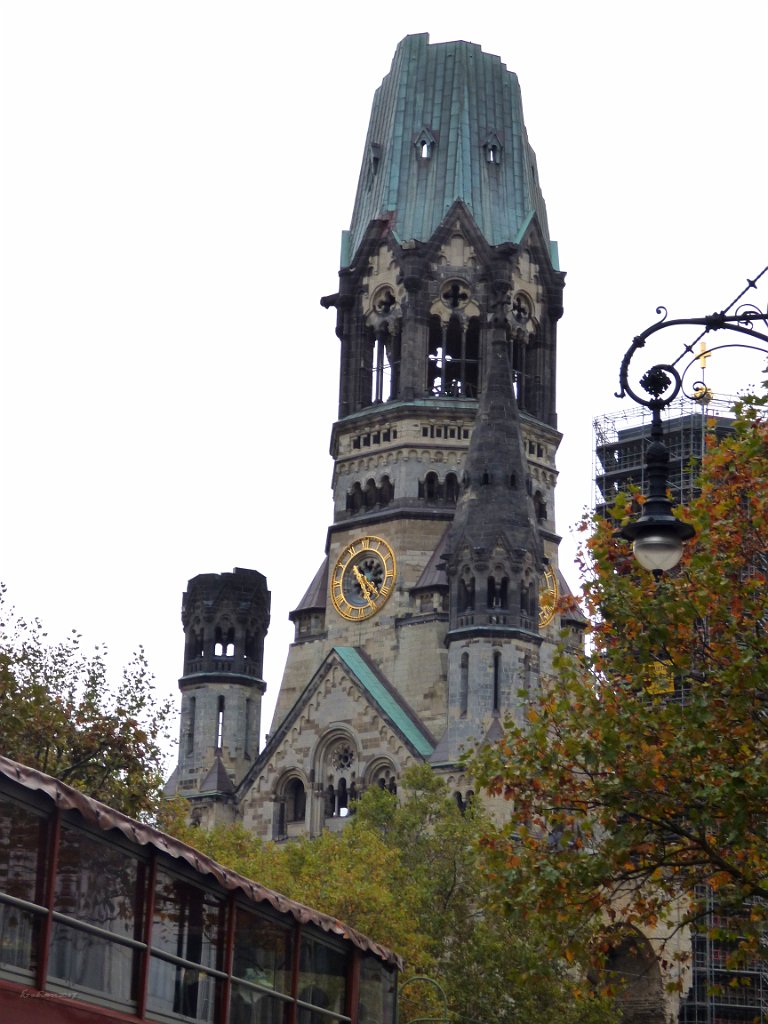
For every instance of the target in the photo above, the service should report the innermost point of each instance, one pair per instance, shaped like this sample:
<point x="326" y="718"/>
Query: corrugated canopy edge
<point x="100" y="815"/>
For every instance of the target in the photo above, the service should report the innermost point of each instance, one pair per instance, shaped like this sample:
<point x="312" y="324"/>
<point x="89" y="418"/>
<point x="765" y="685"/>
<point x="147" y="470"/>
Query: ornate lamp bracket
<point x="658" y="535"/>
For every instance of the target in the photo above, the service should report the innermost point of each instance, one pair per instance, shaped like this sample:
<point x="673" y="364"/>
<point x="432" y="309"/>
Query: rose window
<point x="343" y="757"/>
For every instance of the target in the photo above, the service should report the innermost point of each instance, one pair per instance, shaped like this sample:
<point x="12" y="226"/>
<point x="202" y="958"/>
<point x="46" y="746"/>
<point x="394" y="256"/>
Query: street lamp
<point x="657" y="535"/>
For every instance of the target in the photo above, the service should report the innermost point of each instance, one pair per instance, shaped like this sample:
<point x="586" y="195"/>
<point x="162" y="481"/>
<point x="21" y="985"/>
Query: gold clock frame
<point x="348" y="578"/>
<point x="548" y="597"/>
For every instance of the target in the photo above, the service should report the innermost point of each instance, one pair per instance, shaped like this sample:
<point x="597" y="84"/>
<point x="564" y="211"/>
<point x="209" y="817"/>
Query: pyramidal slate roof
<point x="495" y="500"/>
<point x="459" y="102"/>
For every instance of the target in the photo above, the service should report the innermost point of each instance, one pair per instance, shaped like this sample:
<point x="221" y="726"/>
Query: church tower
<point x="433" y="609"/>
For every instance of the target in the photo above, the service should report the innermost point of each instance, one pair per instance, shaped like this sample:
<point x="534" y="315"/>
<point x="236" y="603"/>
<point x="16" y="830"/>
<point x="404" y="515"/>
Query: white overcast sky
<point x="175" y="178"/>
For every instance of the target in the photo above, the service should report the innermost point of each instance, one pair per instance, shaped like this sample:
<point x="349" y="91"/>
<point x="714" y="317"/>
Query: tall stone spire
<point x="495" y="552"/>
<point x="494" y="559"/>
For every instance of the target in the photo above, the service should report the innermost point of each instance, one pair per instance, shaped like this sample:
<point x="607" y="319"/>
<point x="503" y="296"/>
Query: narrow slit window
<point x="220" y="725"/>
<point x="464" y="686"/>
<point x="191" y="725"/>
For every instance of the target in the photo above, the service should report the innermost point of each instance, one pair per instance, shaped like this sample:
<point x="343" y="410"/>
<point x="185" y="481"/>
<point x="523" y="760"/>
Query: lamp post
<point x="657" y="535"/>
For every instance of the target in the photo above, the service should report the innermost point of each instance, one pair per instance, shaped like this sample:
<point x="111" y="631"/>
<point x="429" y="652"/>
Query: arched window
<point x="382" y="774"/>
<point x="431" y="489"/>
<point x="436" y="357"/>
<point x="452" y="377"/>
<point x="385" y="355"/>
<point x="355" y="499"/>
<point x="296" y="800"/>
<point x="370" y="494"/>
<point x="497" y="591"/>
<point x="451" y="489"/>
<point x="224" y="642"/>
<point x="541" y="506"/>
<point x="493" y="149"/>
<point x="454" y="355"/>
<point x="342" y="798"/>
<point x="195" y="648"/>
<point x="471" y="363"/>
<point x="424" y="144"/>
<point x="467" y="592"/>
<point x="386" y="491"/>
<point x="528" y="599"/>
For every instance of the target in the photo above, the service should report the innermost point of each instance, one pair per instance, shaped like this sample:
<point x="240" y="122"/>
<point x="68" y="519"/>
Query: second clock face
<point x="548" y="596"/>
<point x="363" y="578"/>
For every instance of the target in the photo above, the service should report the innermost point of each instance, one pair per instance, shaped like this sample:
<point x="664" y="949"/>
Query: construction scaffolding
<point x="622" y="439"/>
<point x="720" y="993"/>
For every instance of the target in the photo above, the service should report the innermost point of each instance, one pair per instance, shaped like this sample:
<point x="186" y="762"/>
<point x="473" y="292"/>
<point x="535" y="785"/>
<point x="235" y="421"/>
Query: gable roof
<point x="392" y="706"/>
<point x="382" y="695"/>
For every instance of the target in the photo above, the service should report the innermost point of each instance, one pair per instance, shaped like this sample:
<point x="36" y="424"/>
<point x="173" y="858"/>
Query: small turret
<point x="225" y="618"/>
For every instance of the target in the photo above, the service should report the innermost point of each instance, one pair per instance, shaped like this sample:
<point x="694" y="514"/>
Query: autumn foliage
<point x="640" y="782"/>
<point x="60" y="713"/>
<point x="408" y="873"/>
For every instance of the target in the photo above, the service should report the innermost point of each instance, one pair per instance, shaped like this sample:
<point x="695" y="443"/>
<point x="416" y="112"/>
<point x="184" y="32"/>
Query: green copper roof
<point x="386" y="700"/>
<point x="460" y="102"/>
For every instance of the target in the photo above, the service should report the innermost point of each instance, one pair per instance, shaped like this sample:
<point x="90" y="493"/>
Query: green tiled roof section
<point x="460" y="95"/>
<point x="386" y="700"/>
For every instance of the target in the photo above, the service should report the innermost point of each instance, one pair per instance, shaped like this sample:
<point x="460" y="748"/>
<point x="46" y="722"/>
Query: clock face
<point x="547" y="597"/>
<point x="363" y="578"/>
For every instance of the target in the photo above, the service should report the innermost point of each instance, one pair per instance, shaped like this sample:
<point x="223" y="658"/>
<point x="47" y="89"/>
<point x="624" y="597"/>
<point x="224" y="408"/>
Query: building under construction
<point x="622" y="440"/>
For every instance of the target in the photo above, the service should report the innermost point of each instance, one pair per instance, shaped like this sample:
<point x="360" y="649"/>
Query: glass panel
<point x="249" y="1006"/>
<point x="19" y="938"/>
<point x="22" y="874"/>
<point x="101" y="884"/>
<point x="322" y="980"/>
<point x="188" y="923"/>
<point x="378" y="990"/>
<point x="182" y="992"/>
<point x="87" y="962"/>
<point x="262" y="951"/>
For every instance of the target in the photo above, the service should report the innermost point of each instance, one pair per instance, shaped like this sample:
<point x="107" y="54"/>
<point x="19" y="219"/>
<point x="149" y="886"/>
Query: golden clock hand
<point x="363" y="583"/>
<point x="367" y="588"/>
